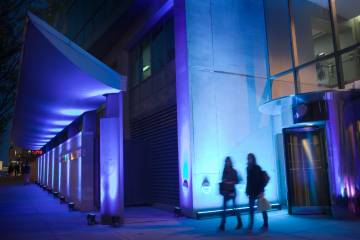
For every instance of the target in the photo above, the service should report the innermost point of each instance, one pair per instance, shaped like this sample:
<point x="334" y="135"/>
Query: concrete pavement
<point x="28" y="212"/>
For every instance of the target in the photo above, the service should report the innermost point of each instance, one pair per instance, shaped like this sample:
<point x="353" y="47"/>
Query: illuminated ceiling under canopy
<point x="58" y="82"/>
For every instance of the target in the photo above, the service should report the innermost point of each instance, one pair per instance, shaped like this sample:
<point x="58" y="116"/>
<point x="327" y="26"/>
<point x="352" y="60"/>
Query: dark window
<point x="146" y="59"/>
<point x="153" y="52"/>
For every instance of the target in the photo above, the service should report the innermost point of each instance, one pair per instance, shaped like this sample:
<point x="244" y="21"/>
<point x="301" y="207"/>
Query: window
<point x="152" y="53"/>
<point x="146" y="60"/>
<point x="278" y="35"/>
<point x="348" y="22"/>
<point x="283" y="86"/>
<point x="319" y="76"/>
<point x="350" y="62"/>
<point x="304" y="31"/>
<point x="312" y="33"/>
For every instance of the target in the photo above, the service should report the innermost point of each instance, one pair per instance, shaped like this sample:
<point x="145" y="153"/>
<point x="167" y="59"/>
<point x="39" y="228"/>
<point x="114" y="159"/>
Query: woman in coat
<point x="229" y="180"/>
<point x="255" y="189"/>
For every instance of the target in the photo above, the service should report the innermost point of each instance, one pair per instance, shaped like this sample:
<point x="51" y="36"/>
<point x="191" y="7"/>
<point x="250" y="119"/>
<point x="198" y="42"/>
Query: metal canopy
<point x="58" y="82"/>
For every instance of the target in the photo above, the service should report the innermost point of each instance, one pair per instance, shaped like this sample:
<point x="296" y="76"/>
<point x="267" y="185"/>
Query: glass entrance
<point x="306" y="170"/>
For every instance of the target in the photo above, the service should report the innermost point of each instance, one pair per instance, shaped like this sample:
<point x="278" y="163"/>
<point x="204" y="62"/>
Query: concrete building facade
<point x="210" y="79"/>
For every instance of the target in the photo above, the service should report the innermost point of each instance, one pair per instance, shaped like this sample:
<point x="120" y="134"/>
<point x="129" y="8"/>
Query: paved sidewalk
<point x="28" y="212"/>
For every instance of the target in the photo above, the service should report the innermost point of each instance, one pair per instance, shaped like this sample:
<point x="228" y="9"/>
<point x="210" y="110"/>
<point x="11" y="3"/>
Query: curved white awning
<point x="58" y="82"/>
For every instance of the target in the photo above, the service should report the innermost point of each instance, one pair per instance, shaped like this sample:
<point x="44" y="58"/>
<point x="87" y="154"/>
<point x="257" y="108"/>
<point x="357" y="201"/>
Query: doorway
<point x="306" y="170"/>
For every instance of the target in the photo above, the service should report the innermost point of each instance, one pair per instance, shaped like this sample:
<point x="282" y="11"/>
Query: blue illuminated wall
<point x="69" y="169"/>
<point x="221" y="81"/>
<point x="112" y="160"/>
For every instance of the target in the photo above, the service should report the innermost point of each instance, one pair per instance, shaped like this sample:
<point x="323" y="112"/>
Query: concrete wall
<point x="221" y="81"/>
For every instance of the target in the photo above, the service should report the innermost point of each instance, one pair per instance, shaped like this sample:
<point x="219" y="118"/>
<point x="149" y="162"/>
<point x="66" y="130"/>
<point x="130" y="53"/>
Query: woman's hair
<point x="251" y="155"/>
<point x="228" y="159"/>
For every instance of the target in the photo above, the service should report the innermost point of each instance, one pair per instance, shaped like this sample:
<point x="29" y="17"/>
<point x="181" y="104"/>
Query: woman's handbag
<point x="263" y="204"/>
<point x="226" y="189"/>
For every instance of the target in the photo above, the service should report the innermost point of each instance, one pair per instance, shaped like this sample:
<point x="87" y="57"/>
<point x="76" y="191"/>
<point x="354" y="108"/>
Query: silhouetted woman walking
<point x="227" y="189"/>
<point x="255" y="186"/>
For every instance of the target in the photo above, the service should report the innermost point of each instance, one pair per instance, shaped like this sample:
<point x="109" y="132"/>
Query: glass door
<point x="306" y="170"/>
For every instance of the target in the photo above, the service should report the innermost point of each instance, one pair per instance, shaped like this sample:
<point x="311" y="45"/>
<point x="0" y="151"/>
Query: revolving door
<point x="306" y="170"/>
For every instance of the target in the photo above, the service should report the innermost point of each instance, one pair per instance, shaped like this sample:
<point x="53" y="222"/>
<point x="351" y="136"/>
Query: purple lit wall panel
<point x="50" y="174"/>
<point x="343" y="153"/>
<point x="63" y="177"/>
<point x="183" y="108"/>
<point x="73" y="171"/>
<point x="52" y="155"/>
<point x="44" y="169"/>
<point x="38" y="169"/>
<point x="56" y="169"/>
<point x="111" y="168"/>
<point x="48" y="169"/>
<point x="86" y="172"/>
<point x="334" y="143"/>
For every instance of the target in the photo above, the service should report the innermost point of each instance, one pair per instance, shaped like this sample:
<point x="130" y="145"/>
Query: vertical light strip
<point x="59" y="176"/>
<point x="52" y="167"/>
<point x="40" y="180"/>
<point x="79" y="178"/>
<point x="79" y="157"/>
<point x="67" y="175"/>
<point x="43" y="170"/>
<point x="48" y="169"/>
<point x="38" y="168"/>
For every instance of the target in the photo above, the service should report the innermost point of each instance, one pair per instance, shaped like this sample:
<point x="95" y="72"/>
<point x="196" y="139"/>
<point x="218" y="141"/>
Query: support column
<point x="86" y="162"/>
<point x="184" y="112"/>
<point x="111" y="161"/>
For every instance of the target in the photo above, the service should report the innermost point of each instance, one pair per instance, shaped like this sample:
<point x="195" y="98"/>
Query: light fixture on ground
<point x="71" y="206"/>
<point x="56" y="194"/>
<point x="177" y="212"/>
<point x="62" y="199"/>
<point x="91" y="218"/>
<point x="116" y="221"/>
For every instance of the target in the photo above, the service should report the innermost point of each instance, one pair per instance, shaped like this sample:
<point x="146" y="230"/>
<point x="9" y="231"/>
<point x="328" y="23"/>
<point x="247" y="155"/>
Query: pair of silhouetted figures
<point x="255" y="185"/>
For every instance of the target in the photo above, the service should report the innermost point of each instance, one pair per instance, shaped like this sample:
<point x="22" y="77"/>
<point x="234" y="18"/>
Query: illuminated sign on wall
<point x="36" y="152"/>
